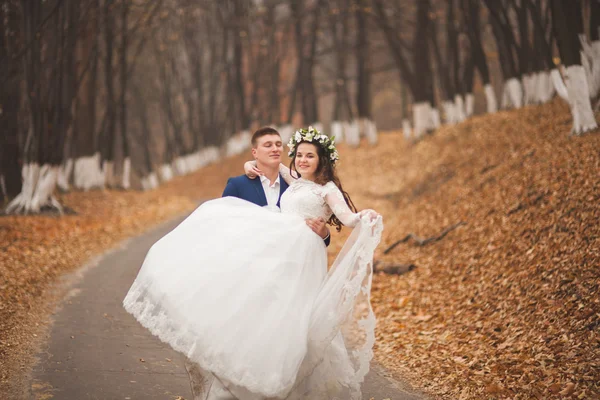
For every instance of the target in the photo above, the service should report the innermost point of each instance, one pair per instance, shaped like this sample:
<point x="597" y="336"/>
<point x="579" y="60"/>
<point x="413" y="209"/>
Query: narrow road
<point x="98" y="351"/>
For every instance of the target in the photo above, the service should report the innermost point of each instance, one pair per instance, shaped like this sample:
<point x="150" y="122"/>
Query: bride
<point x="245" y="293"/>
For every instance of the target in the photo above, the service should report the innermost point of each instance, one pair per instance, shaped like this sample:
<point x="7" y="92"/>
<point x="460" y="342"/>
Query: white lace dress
<point x="245" y="293"/>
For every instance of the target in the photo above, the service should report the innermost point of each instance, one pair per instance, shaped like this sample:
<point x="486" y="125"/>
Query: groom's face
<point x="268" y="150"/>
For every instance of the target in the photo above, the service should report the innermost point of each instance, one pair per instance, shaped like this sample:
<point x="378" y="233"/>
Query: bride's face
<point x="307" y="160"/>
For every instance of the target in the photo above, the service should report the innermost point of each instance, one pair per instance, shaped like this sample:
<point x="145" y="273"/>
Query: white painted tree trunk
<point x="191" y="162"/>
<point x="436" y="121"/>
<point x="87" y="173"/>
<point x="528" y="84"/>
<point x="180" y="166"/>
<point x="352" y="133"/>
<point x="449" y="112"/>
<point x="37" y="190"/>
<point x="368" y="129"/>
<point x="195" y="161"/>
<point x="153" y="180"/>
<point x="166" y="172"/>
<point x="245" y="137"/>
<point x="286" y="132"/>
<point x="3" y="186"/>
<point x="469" y="105"/>
<point x="544" y="88"/>
<point x="150" y="181"/>
<point x="238" y="143"/>
<point x="406" y="129"/>
<point x="108" y="168"/>
<point x="422" y="118"/>
<point x="209" y="155"/>
<point x="559" y="84"/>
<point x="337" y="131"/>
<point x="490" y="97"/>
<point x="579" y="100"/>
<point x="127" y="174"/>
<point x="373" y="133"/>
<point x="232" y="146"/>
<point x="590" y="59"/>
<point x="513" y="94"/>
<point x="64" y="174"/>
<point x="459" y="107"/>
<point x="318" y="126"/>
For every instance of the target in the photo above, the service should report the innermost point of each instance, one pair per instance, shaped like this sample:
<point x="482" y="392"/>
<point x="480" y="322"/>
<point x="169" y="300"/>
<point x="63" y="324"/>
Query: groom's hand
<point x="318" y="226"/>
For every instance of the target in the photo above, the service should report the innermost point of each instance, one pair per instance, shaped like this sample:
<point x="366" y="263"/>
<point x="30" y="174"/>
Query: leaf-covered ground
<point x="505" y="306"/>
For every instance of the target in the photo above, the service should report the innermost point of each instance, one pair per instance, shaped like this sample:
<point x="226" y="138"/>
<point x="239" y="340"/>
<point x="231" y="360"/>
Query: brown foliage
<point x="508" y="305"/>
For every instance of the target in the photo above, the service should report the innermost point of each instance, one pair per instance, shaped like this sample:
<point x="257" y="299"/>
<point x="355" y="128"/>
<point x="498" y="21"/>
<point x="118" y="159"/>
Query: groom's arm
<point x="327" y="240"/>
<point x="230" y="189"/>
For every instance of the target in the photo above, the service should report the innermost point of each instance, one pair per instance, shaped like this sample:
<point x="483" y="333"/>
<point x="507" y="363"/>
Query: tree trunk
<point x="591" y="50"/>
<point x="444" y="67"/>
<point x="363" y="96"/>
<point x="512" y="93"/>
<point x="472" y="11"/>
<point x="568" y="24"/>
<point x="50" y="95"/>
<point x="238" y="56"/>
<point x="108" y="134"/>
<point x="87" y="171"/>
<point x="126" y="182"/>
<point x="422" y="110"/>
<point x="10" y="100"/>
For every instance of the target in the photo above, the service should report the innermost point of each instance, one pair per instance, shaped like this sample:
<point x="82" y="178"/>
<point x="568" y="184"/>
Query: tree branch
<point x="423" y="242"/>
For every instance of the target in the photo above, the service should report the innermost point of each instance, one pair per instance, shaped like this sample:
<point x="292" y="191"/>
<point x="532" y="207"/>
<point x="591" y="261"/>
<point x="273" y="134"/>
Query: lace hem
<point x="153" y="317"/>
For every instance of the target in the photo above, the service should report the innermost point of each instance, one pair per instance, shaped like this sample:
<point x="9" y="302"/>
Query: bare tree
<point x="304" y="86"/>
<point x="506" y="43"/>
<point x="471" y="10"/>
<point x="342" y="113"/>
<point x="52" y="82"/>
<point x="568" y="24"/>
<point x="363" y="74"/>
<point x="10" y="99"/>
<point x="418" y="77"/>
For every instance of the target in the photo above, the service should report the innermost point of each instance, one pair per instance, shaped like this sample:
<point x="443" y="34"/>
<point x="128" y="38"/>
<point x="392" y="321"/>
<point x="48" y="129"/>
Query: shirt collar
<point x="264" y="179"/>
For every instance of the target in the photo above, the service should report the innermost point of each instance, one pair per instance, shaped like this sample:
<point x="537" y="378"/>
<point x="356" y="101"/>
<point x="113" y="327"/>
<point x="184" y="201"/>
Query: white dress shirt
<point x="271" y="191"/>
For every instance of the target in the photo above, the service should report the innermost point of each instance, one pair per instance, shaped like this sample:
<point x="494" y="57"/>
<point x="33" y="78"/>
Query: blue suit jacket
<point x="251" y="190"/>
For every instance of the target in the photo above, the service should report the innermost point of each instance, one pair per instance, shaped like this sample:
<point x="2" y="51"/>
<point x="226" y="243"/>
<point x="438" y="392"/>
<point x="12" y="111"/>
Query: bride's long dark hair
<point x="325" y="172"/>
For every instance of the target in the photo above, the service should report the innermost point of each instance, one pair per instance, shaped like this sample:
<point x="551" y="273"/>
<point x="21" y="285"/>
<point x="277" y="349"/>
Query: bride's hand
<point x="251" y="170"/>
<point x="371" y="214"/>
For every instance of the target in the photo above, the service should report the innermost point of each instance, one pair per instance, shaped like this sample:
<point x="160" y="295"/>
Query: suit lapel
<point x="282" y="188"/>
<point x="260" y="192"/>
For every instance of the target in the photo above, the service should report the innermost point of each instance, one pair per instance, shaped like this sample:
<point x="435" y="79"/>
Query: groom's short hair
<point x="265" y="130"/>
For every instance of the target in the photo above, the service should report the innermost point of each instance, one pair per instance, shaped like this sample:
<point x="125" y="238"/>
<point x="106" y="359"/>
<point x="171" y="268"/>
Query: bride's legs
<point x="205" y="386"/>
<point x="219" y="392"/>
<point x="200" y="381"/>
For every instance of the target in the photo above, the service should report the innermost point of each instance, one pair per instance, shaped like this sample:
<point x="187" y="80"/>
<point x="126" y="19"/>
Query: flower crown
<point x="310" y="135"/>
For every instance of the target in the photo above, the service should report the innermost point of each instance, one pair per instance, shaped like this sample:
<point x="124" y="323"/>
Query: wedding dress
<point x="245" y="293"/>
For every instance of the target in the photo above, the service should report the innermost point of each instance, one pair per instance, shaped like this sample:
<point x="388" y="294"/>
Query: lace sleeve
<point x="335" y="201"/>
<point x="288" y="176"/>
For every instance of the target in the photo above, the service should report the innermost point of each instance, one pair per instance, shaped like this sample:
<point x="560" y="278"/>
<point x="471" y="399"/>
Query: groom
<point x="267" y="147"/>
